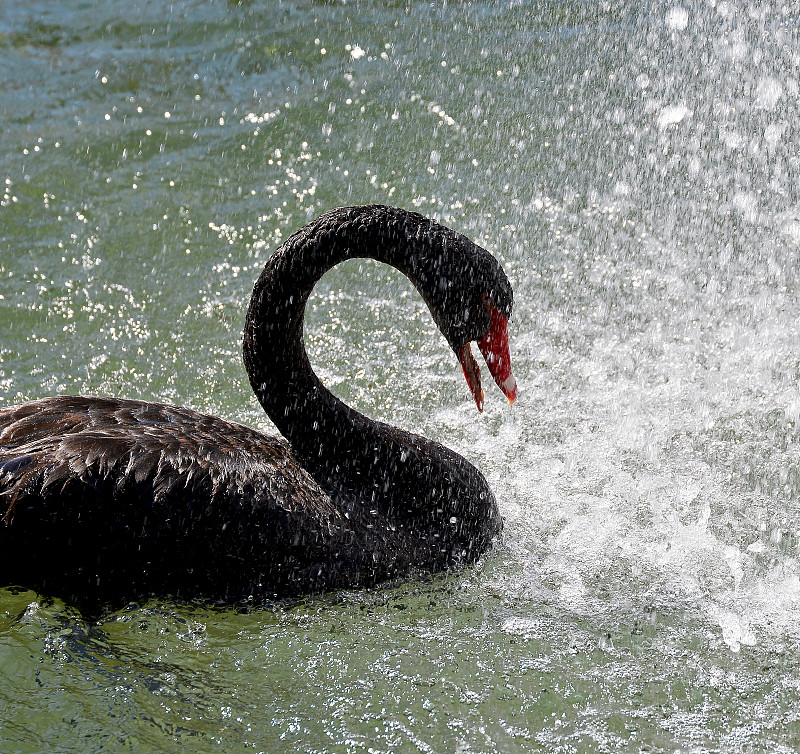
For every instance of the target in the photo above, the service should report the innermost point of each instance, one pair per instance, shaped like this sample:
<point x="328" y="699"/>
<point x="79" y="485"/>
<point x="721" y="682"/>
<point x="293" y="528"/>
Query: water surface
<point x="635" y="168"/>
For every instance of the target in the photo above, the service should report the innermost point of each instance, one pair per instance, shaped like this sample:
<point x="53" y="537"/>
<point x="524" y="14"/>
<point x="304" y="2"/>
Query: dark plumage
<point x="104" y="500"/>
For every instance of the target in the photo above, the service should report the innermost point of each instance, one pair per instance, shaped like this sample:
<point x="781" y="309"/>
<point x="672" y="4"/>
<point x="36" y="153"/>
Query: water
<point x="635" y="168"/>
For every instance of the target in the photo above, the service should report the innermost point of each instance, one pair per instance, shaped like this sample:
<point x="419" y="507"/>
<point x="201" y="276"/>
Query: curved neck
<point x="294" y="398"/>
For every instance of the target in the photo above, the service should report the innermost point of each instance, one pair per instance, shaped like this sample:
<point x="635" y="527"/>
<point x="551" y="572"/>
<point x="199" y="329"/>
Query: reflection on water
<point x="633" y="166"/>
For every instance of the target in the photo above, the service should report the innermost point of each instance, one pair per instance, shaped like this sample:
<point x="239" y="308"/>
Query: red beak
<point x="494" y="347"/>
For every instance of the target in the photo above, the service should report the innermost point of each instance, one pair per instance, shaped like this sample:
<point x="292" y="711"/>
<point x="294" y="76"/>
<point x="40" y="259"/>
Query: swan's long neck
<point x="337" y="444"/>
<point x="314" y="421"/>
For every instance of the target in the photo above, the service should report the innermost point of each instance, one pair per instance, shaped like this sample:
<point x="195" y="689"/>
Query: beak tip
<point x="509" y="387"/>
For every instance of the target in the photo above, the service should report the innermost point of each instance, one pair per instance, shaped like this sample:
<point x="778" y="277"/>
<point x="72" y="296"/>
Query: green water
<point x="635" y="168"/>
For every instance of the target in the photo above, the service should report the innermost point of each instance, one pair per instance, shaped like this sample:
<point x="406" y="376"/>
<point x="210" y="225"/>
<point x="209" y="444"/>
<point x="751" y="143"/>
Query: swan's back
<point x="112" y="445"/>
<point x="111" y="497"/>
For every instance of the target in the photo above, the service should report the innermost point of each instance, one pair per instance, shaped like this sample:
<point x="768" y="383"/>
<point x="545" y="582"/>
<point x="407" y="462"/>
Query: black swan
<point x="105" y="500"/>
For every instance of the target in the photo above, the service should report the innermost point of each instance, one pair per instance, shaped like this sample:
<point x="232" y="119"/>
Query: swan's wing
<point x="118" y="446"/>
<point x="147" y="490"/>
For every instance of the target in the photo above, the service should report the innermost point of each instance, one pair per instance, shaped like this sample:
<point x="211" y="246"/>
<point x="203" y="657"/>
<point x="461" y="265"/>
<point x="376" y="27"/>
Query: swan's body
<point x="105" y="500"/>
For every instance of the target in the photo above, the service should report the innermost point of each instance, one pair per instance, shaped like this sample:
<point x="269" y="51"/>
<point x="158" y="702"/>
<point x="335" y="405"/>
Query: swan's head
<point x="471" y="300"/>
